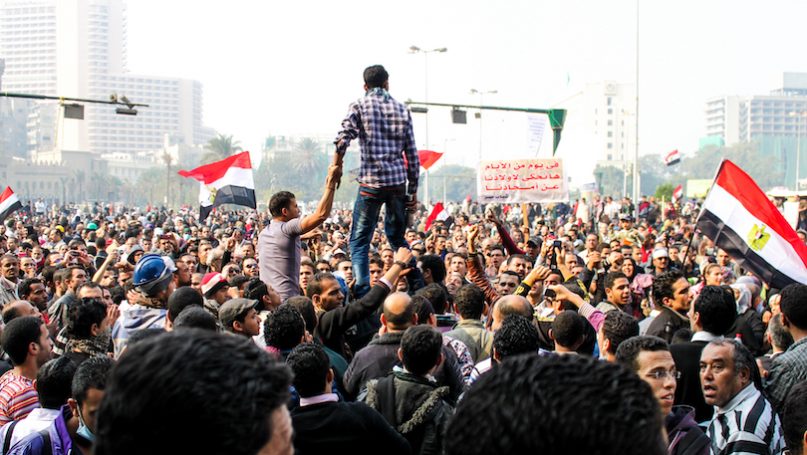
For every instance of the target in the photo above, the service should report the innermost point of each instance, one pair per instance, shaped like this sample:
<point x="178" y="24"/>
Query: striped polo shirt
<point x="746" y="425"/>
<point x="17" y="397"/>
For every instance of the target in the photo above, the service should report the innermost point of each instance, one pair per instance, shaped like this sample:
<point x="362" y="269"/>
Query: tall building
<point x="602" y="123"/>
<point x="77" y="48"/>
<point x="776" y="122"/>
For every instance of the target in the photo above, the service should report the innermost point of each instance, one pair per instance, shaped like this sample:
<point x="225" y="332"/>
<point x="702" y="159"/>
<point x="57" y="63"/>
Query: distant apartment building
<point x="602" y="122"/>
<point x="777" y="122"/>
<point x="77" y="48"/>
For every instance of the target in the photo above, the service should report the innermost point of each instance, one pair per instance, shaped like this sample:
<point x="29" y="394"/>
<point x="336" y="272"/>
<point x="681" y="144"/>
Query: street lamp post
<point x="482" y="94"/>
<point x="416" y="50"/>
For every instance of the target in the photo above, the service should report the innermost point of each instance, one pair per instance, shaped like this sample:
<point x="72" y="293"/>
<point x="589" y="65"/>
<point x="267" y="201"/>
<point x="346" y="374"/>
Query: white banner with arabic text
<point x="530" y="180"/>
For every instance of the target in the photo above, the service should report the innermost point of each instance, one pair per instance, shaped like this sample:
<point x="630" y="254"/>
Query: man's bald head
<point x="510" y="304"/>
<point x="18" y="309"/>
<point x="399" y="311"/>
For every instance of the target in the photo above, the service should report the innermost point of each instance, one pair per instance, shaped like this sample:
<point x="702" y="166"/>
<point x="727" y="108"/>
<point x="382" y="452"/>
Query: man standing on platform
<point x="389" y="168"/>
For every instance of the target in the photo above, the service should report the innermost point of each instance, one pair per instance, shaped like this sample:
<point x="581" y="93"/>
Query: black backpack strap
<point x="47" y="449"/>
<point x="9" y="434"/>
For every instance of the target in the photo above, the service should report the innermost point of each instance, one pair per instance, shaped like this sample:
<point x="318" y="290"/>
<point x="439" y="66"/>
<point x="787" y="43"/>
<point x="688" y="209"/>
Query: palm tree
<point x="221" y="147"/>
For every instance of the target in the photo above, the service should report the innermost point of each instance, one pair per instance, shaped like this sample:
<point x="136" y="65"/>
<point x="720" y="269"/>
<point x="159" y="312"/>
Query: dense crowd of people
<point x="560" y="328"/>
<point x="164" y="311"/>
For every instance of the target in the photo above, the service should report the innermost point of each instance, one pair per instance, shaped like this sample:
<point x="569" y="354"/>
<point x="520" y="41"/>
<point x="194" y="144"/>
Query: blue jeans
<point x="365" y="219"/>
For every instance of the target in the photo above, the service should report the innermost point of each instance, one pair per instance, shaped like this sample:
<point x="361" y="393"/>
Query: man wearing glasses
<point x="650" y="358"/>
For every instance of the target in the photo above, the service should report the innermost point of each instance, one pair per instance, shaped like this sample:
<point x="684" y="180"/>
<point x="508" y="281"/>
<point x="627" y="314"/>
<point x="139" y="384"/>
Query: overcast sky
<point x="292" y="67"/>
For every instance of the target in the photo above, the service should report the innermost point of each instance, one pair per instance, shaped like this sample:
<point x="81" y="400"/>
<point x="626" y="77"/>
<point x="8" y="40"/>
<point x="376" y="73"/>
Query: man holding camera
<point x="389" y="168"/>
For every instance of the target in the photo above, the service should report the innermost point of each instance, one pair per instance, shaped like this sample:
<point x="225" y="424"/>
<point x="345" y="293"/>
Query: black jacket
<point x="415" y="407"/>
<point x="687" y="357"/>
<point x="352" y="428"/>
<point x="667" y="323"/>
<point x="334" y="323"/>
<point x="381" y="355"/>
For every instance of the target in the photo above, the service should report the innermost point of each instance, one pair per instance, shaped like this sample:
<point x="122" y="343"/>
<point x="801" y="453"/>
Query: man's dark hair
<point x="91" y="374"/>
<point x="280" y="201"/>
<point x="421" y="346"/>
<point x="510" y="273"/>
<point x="663" y="286"/>
<point x="53" y="382"/>
<point x="284" y="328"/>
<point x="437" y="296"/>
<point x="514" y="257"/>
<point x="716" y="308"/>
<point x="628" y="352"/>
<point x="24" y="288"/>
<point x="18" y="335"/>
<point x="742" y="357"/>
<point x="182" y="298"/>
<point x="682" y="335"/>
<point x="517" y="335"/>
<point x="377" y="261"/>
<point x="568" y="329"/>
<point x="793" y="305"/>
<point x="315" y="284"/>
<point x="375" y="76"/>
<point x="236" y="387"/>
<point x="611" y="277"/>
<point x="195" y="317"/>
<point x="423" y="308"/>
<point x="470" y="302"/>
<point x="61" y="275"/>
<point x="82" y="314"/>
<point x="780" y="337"/>
<point x="557" y="404"/>
<point x="305" y="307"/>
<point x="794" y="418"/>
<point x="617" y="327"/>
<point x="435" y="265"/>
<point x="310" y="365"/>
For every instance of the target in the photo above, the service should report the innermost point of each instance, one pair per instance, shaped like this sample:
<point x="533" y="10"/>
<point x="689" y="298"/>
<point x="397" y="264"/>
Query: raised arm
<point x="323" y="210"/>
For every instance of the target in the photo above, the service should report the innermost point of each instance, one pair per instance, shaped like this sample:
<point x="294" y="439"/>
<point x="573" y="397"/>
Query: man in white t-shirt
<point x="279" y="243"/>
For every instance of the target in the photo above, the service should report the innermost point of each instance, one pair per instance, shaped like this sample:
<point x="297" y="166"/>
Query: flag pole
<point x="703" y="209"/>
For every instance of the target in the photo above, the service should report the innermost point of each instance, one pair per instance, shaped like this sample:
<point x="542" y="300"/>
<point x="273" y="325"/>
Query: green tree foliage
<point x="664" y="191"/>
<point x="459" y="182"/>
<point x="220" y="147"/>
<point x="766" y="168"/>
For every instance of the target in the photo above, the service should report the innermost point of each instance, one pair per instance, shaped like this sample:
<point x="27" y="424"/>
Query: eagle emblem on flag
<point x="758" y="238"/>
<point x="212" y="190"/>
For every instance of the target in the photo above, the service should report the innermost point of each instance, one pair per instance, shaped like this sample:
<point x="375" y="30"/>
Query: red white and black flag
<point x="8" y="203"/>
<point x="678" y="193"/>
<point x="228" y="181"/>
<point x="741" y="220"/>
<point x="439" y="213"/>
<point x="672" y="158"/>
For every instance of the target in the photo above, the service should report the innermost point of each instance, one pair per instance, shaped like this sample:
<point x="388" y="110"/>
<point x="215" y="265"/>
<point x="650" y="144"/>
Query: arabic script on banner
<point x="533" y="180"/>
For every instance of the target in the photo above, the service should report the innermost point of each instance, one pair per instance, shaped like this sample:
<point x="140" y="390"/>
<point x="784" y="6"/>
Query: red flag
<point x="428" y="158"/>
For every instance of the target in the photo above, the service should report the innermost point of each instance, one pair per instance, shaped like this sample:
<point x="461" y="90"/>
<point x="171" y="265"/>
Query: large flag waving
<point x="228" y="181"/>
<point x="741" y="220"/>
<point x="8" y="203"/>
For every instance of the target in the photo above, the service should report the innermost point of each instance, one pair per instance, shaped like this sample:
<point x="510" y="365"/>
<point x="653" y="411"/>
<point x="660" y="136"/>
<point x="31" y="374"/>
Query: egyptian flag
<point x="672" y="158"/>
<point x="741" y="220"/>
<point x="439" y="213"/>
<point x="8" y="203"/>
<point x="228" y="181"/>
<point x="678" y="193"/>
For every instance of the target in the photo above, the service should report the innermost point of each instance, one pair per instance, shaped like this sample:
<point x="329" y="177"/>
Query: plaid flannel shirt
<point x="384" y="128"/>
